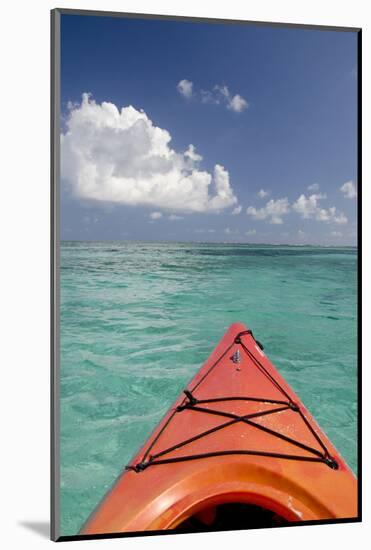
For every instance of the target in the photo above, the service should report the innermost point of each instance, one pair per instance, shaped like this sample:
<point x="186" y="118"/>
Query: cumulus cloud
<point x="273" y="211"/>
<point x="120" y="156"/>
<point x="192" y="155"/>
<point x="185" y="88"/>
<point x="235" y="102"/>
<point x="155" y="215"/>
<point x="250" y="232"/>
<point x="349" y="190"/>
<point x="217" y="95"/>
<point x="229" y="231"/>
<point x="309" y="208"/>
<point x="336" y="234"/>
<point x="262" y="194"/>
<point x="173" y="217"/>
<point x="237" y="210"/>
<point x="313" y="187"/>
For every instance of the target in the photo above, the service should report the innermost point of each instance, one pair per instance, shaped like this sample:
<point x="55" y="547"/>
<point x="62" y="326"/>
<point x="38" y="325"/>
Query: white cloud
<point x="262" y="194"/>
<point x="192" y="155"/>
<point x="155" y="215"/>
<point x="309" y="208"/>
<point x="313" y="187"/>
<point x="217" y="96"/>
<point x="222" y="90"/>
<point x="120" y="156"/>
<point x="250" y="232"/>
<point x="185" y="87"/>
<point x="173" y="217"/>
<point x="237" y="210"/>
<point x="237" y="103"/>
<point x="349" y="190"/>
<point x="336" y="233"/>
<point x="229" y="231"/>
<point x="273" y="211"/>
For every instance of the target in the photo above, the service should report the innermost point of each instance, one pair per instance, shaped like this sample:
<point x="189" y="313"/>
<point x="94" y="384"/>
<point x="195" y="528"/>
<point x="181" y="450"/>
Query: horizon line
<point x="211" y="242"/>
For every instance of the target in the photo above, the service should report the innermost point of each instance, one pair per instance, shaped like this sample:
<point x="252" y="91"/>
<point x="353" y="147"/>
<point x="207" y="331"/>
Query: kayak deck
<point x="237" y="435"/>
<point x="249" y="410"/>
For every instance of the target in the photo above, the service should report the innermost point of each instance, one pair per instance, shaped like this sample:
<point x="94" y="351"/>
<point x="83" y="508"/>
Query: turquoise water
<point x="138" y="319"/>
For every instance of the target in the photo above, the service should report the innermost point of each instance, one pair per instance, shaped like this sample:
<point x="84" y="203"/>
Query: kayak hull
<point x="245" y="439"/>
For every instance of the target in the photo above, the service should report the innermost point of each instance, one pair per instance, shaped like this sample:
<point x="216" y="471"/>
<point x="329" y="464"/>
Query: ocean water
<point x="138" y="319"/>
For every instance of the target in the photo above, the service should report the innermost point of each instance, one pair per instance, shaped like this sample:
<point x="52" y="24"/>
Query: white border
<point x="24" y="89"/>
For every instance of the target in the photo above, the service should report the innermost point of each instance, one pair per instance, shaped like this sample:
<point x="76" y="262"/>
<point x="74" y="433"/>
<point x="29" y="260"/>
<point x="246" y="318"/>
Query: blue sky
<point x="229" y="133"/>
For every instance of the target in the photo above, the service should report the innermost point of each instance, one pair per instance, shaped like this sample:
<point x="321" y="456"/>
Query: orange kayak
<point x="237" y="449"/>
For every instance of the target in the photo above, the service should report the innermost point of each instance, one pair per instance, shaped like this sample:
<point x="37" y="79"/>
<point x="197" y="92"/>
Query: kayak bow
<point x="237" y="449"/>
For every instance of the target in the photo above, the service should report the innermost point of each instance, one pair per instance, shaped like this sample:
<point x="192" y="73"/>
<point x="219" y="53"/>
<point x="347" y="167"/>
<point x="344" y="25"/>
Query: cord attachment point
<point x="238" y="340"/>
<point x="191" y="399"/>
<point x="140" y="467"/>
<point x="137" y="467"/>
<point x="331" y="463"/>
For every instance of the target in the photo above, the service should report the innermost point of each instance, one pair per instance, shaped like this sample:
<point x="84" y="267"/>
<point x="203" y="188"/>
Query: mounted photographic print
<point x="205" y="222"/>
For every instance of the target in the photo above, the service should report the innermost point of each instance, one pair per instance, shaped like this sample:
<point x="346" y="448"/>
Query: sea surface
<point x="138" y="319"/>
